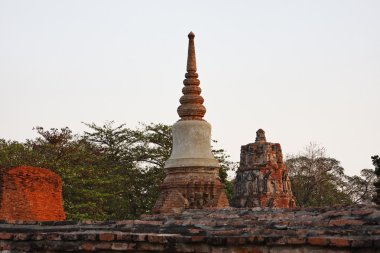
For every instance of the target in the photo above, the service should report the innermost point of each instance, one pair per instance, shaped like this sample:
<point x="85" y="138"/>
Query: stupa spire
<point x="191" y="59"/>
<point x="260" y="136"/>
<point x="191" y="107"/>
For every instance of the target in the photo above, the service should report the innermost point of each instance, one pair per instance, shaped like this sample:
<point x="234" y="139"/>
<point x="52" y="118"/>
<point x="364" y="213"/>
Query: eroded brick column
<point x="30" y="193"/>
<point x="262" y="178"/>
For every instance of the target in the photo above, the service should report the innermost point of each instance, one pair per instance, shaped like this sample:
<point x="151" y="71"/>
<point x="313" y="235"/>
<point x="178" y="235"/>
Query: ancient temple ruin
<point x="192" y="179"/>
<point x="192" y="182"/>
<point x="262" y="178"/>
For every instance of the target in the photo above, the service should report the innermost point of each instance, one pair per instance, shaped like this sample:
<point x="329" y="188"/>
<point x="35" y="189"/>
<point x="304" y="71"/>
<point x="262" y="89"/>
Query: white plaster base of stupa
<point x="191" y="145"/>
<point x="192" y="179"/>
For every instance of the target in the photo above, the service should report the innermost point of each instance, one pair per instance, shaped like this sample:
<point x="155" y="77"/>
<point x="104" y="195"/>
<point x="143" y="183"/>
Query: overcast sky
<point x="304" y="71"/>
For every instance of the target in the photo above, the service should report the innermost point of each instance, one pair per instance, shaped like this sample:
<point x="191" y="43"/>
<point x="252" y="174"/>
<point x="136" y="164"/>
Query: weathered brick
<point x="317" y="241"/>
<point x="106" y="237"/>
<point x="197" y="238"/>
<point x="88" y="246"/>
<point x="125" y="222"/>
<point x="185" y="248"/>
<point x="69" y="237"/>
<point x="123" y="237"/>
<point x="226" y="232"/>
<point x="275" y="240"/>
<point x="250" y="239"/>
<point x="217" y="240"/>
<point x="318" y="231"/>
<point x="362" y="242"/>
<point x="21" y="247"/>
<point x="103" y="245"/>
<point x="5" y="246"/>
<point x="235" y="240"/>
<point x="296" y="241"/>
<point x="21" y="237"/>
<point x="157" y="239"/>
<point x="344" y="222"/>
<point x="88" y="237"/>
<point x="335" y="213"/>
<point x="148" y="222"/>
<point x="339" y="242"/>
<point x="54" y="237"/>
<point x="259" y="239"/>
<point x="139" y="237"/>
<point x="362" y="212"/>
<point x="150" y="247"/>
<point x="194" y="231"/>
<point x="376" y="243"/>
<point x="120" y="246"/>
<point x="38" y="237"/>
<point x="6" y="236"/>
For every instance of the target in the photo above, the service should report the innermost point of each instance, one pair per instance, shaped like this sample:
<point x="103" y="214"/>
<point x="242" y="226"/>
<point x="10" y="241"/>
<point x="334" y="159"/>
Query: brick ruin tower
<point x="262" y="178"/>
<point x="192" y="179"/>
<point x="31" y="194"/>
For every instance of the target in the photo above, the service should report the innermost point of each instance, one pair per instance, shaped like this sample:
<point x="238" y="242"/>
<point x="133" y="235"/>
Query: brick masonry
<point x="29" y="193"/>
<point x="195" y="187"/>
<point x="336" y="229"/>
<point x="262" y="178"/>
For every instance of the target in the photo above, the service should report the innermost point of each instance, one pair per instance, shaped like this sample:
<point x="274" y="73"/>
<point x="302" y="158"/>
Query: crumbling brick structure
<point x="262" y="179"/>
<point x="31" y="194"/>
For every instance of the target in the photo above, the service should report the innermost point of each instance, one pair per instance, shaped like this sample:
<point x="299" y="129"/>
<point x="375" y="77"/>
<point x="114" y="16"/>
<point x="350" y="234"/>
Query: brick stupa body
<point x="262" y="178"/>
<point x="192" y="179"/>
<point x="31" y="194"/>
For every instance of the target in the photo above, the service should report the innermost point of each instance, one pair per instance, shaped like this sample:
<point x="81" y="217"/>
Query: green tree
<point x="376" y="163"/>
<point x="361" y="189"/>
<point x="121" y="177"/>
<point x="376" y="184"/>
<point x="317" y="180"/>
<point x="226" y="165"/>
<point x="77" y="161"/>
<point x="13" y="154"/>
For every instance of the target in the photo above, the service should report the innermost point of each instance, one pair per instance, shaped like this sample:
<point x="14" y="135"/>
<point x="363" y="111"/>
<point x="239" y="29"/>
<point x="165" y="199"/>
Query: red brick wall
<point x="31" y="194"/>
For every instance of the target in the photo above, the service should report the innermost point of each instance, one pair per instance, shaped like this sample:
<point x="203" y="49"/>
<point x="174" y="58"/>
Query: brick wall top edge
<point x="190" y="213"/>
<point x="358" y="217"/>
<point x="31" y="171"/>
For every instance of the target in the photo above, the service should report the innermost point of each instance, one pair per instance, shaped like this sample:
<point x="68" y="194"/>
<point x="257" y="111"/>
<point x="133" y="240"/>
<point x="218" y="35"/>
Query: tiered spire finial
<point x="191" y="107"/>
<point x="260" y="135"/>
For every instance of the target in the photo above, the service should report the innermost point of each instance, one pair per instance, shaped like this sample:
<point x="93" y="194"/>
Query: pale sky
<point x="304" y="71"/>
